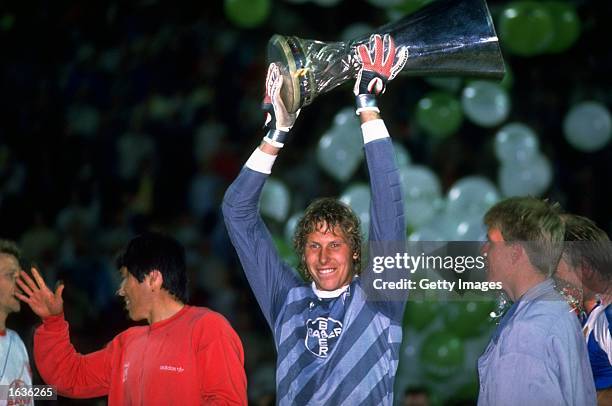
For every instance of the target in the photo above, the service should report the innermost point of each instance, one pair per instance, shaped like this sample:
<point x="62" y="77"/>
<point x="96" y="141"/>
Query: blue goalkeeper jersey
<point x="342" y="350"/>
<point x="598" y="333"/>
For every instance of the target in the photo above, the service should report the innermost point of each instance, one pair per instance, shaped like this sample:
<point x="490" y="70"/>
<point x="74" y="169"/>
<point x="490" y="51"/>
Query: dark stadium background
<point x="78" y="76"/>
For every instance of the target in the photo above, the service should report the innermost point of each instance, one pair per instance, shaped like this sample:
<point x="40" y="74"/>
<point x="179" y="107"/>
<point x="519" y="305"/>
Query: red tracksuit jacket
<point x="194" y="357"/>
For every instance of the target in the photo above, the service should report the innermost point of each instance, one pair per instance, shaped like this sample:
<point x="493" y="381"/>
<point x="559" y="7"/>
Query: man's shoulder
<point x="194" y="318"/>
<point x="13" y="334"/>
<point x="539" y="324"/>
<point x="203" y="317"/>
<point x="204" y="313"/>
<point x="131" y="332"/>
<point x="548" y="315"/>
<point x="16" y="339"/>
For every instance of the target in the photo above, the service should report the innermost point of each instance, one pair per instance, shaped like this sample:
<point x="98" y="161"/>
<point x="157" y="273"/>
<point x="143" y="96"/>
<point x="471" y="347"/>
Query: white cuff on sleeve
<point x="259" y="161"/>
<point x="374" y="130"/>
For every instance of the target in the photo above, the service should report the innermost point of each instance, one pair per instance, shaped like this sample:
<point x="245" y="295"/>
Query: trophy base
<point x="289" y="54"/>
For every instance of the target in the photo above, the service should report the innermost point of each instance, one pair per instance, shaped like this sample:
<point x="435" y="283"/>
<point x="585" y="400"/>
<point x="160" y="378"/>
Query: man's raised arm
<point x="270" y="278"/>
<point x="59" y="364"/>
<point x="381" y="62"/>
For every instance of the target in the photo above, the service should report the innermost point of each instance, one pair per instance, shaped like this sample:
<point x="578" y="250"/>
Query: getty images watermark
<point x="395" y="269"/>
<point x="411" y="264"/>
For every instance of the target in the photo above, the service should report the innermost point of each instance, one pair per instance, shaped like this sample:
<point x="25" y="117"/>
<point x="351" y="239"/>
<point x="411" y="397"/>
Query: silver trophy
<point x="447" y="37"/>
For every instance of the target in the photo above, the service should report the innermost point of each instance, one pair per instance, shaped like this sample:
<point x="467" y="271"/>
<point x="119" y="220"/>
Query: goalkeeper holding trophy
<point x="335" y="345"/>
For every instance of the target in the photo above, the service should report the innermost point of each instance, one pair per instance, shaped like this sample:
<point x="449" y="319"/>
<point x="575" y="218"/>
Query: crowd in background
<point x="122" y="116"/>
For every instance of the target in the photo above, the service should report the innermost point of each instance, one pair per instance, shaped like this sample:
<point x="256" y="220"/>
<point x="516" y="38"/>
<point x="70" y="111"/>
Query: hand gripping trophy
<point x="448" y="37"/>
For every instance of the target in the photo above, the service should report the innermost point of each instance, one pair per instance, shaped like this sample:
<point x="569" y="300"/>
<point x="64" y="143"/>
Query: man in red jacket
<point x="185" y="356"/>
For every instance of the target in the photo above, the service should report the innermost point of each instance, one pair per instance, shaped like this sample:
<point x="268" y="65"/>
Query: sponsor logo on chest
<point x="321" y="335"/>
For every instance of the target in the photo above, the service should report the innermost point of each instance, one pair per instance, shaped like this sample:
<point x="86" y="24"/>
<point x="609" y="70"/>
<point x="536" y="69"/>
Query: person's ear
<point x="155" y="280"/>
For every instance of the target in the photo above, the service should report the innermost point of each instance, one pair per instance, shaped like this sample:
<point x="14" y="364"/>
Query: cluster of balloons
<point x="457" y="217"/>
<point x="588" y="126"/>
<point x="440" y="113"/>
<point x="529" y="28"/>
<point x="442" y="341"/>
<point x="524" y="170"/>
<point x="442" y="354"/>
<point x="357" y="195"/>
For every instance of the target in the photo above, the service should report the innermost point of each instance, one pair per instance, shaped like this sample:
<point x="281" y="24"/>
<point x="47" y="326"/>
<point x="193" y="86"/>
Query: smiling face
<point x="328" y="258"/>
<point x="137" y="295"/>
<point x="9" y="271"/>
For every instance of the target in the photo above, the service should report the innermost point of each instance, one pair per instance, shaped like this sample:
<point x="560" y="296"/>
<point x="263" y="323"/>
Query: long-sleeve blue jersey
<point x="336" y="351"/>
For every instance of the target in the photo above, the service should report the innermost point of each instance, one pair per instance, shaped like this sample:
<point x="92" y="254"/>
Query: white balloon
<point x="469" y="228"/>
<point x="516" y="143"/>
<point x="485" y="103"/>
<point x="346" y="117"/>
<point x="422" y="191"/>
<point x="419" y="212"/>
<point x="291" y="224"/>
<point x="419" y="182"/>
<point x="358" y="197"/>
<point x="440" y="228"/>
<point x="588" y="126"/>
<point x="451" y="227"/>
<point x="472" y="195"/>
<point x="402" y="157"/>
<point x="275" y="200"/>
<point x="340" y="149"/>
<point x="532" y="178"/>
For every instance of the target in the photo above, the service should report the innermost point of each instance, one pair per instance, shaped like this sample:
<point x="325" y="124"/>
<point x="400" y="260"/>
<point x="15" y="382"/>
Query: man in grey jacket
<point x="537" y="355"/>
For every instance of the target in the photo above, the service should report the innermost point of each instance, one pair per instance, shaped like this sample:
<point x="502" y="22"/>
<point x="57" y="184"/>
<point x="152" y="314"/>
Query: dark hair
<point x="331" y="213"/>
<point x="9" y="247"/>
<point x="155" y="251"/>
<point x="587" y="245"/>
<point x="536" y="224"/>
